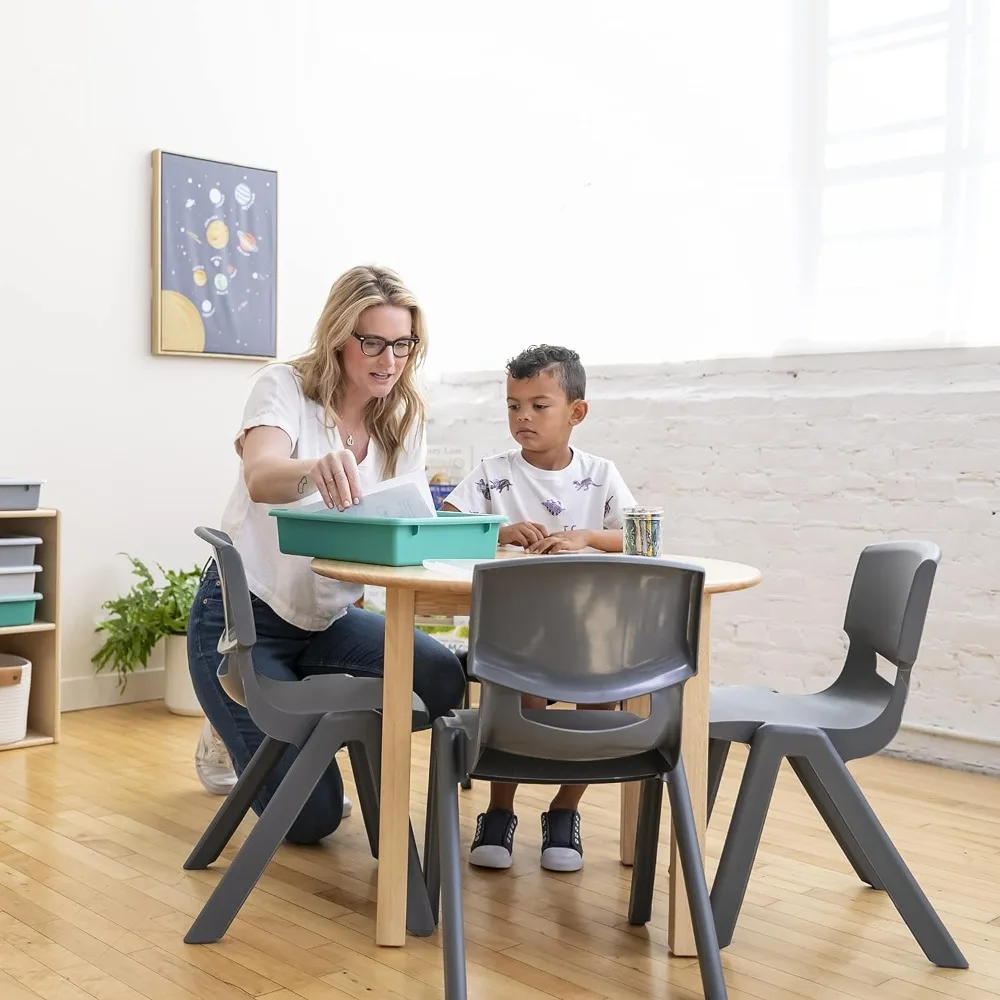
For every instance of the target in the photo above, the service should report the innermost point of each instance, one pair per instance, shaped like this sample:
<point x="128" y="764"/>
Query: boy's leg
<point x="562" y="845"/>
<point x="493" y="843"/>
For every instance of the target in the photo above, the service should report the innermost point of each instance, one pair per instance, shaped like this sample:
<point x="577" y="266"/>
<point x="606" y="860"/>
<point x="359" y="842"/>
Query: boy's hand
<point x="523" y="533"/>
<point x="561" y="541"/>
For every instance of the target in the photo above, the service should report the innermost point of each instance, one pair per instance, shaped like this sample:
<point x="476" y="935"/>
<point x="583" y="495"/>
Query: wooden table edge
<point x="417" y="578"/>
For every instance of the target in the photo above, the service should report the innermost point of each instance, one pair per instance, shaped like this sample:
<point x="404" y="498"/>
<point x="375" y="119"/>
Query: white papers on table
<point x="456" y="569"/>
<point x="403" y="496"/>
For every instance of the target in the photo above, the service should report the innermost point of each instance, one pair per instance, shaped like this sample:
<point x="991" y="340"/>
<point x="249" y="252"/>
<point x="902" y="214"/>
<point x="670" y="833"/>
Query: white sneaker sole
<point x="491" y="856"/>
<point x="561" y="859"/>
<point x="217" y="786"/>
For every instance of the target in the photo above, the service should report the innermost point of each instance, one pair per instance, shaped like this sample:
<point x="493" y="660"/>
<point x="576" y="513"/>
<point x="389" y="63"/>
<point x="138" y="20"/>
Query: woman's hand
<point x="336" y="476"/>
<point x="523" y="533"/>
<point x="561" y="541"/>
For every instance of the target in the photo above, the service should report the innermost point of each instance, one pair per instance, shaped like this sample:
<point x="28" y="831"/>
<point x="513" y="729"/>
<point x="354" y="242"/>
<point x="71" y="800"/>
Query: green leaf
<point x="138" y="619"/>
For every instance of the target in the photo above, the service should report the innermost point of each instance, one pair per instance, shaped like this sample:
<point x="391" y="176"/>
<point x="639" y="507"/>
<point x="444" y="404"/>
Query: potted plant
<point x="138" y="620"/>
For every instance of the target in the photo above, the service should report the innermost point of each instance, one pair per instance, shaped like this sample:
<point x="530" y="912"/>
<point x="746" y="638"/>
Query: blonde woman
<point x="331" y="424"/>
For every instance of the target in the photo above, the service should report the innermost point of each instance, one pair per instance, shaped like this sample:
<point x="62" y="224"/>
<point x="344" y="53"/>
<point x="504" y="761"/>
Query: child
<point x="557" y="499"/>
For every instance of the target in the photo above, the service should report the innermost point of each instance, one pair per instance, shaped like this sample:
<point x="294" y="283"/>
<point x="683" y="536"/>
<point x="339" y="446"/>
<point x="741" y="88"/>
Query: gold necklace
<point x="350" y="440"/>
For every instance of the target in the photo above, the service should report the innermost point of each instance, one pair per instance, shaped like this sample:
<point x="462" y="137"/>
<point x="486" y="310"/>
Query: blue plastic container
<point x="387" y="541"/>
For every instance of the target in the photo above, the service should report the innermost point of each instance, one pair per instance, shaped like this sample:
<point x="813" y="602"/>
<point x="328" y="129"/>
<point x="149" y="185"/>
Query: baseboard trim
<point x="957" y="751"/>
<point x="102" y="689"/>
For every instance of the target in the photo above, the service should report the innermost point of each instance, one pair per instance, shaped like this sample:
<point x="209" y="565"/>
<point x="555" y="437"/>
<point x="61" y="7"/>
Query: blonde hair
<point x="389" y="420"/>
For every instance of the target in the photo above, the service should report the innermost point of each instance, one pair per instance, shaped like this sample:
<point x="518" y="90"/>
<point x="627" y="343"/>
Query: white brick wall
<point x="793" y="465"/>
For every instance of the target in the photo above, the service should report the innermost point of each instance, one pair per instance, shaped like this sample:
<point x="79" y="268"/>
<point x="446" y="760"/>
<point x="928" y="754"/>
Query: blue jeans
<point x="352" y="644"/>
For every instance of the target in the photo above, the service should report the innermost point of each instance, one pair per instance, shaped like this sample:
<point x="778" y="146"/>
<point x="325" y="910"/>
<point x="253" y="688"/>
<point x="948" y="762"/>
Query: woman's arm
<point x="273" y="476"/>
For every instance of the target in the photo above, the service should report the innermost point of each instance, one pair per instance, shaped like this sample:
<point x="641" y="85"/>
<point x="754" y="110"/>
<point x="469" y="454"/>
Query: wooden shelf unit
<point x="38" y="642"/>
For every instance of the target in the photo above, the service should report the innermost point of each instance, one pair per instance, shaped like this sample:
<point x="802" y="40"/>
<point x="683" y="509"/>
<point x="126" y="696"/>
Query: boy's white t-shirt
<point x="589" y="494"/>
<point x="287" y="583"/>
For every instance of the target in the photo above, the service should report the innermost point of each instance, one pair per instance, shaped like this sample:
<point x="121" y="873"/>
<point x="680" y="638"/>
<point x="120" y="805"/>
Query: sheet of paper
<point x="403" y="496"/>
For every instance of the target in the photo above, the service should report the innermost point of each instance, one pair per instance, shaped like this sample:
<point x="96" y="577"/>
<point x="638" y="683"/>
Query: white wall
<point x="625" y="177"/>
<point x="492" y="155"/>
<point x="793" y="466"/>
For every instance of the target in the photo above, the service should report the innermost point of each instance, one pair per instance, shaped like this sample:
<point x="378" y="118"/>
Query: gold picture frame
<point x="214" y="259"/>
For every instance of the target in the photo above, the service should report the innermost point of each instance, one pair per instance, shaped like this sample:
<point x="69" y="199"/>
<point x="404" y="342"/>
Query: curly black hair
<point x="545" y="357"/>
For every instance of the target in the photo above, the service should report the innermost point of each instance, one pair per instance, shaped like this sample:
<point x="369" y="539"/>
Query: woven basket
<point x="15" y="686"/>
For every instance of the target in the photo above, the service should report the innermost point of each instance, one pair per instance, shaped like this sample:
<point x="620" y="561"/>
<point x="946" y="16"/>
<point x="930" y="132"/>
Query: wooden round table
<point x="413" y="592"/>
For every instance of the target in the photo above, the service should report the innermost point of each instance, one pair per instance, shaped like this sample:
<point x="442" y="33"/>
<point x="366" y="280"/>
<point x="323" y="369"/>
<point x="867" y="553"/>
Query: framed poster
<point x="215" y="256"/>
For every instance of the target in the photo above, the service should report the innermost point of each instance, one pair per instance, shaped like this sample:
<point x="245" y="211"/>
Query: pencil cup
<point x="642" y="531"/>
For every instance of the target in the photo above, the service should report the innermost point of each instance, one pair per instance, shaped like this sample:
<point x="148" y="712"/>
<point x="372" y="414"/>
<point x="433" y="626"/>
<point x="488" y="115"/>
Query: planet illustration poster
<point x="215" y="255"/>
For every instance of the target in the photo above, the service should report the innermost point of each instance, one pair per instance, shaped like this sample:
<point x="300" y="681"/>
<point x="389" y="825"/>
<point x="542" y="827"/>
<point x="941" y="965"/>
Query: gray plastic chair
<point x="856" y="716"/>
<point x="319" y="714"/>
<point x="578" y="629"/>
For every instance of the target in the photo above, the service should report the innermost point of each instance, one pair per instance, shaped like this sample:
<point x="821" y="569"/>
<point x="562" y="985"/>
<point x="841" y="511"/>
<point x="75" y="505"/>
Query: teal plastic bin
<point x="18" y="610"/>
<point x="387" y="541"/>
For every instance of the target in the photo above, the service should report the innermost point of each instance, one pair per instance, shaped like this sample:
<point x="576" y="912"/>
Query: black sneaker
<point x="562" y="848"/>
<point x="493" y="844"/>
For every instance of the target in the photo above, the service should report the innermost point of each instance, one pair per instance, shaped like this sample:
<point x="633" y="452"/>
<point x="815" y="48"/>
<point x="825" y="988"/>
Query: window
<point x="901" y="205"/>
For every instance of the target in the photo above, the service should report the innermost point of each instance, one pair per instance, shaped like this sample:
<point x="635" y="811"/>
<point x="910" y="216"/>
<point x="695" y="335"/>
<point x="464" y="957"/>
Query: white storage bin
<point x="15" y="687"/>
<point x="17" y="580"/>
<point x="17" y="550"/>
<point x="20" y="494"/>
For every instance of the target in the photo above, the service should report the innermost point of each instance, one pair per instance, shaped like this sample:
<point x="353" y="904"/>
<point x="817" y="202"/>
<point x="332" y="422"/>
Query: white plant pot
<point x="178" y="690"/>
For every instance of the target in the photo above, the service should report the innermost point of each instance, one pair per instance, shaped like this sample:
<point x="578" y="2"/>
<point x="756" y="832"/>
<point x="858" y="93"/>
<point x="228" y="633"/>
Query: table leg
<point x="394" y="812"/>
<point x="694" y="751"/>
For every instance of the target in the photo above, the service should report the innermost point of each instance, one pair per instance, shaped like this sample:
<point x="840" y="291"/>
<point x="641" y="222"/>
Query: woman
<point x="330" y="424"/>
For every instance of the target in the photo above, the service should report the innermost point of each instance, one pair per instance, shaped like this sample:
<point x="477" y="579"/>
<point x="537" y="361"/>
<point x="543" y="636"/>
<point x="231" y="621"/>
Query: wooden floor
<point x="94" y="902"/>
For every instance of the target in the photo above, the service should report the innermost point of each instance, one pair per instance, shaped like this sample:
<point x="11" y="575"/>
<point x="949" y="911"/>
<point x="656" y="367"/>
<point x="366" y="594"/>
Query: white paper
<point x="455" y="569"/>
<point x="404" y="496"/>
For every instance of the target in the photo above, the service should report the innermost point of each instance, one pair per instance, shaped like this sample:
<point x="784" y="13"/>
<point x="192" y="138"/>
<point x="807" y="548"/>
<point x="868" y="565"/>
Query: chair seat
<point x="737" y="712"/>
<point x="497" y="765"/>
<point x="318" y="694"/>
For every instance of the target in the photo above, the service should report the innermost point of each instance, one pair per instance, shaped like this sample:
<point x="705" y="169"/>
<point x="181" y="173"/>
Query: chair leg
<point x="466" y="704"/>
<point x="743" y="838"/>
<point x="907" y="896"/>
<point x="718" y="753"/>
<point x="367" y="793"/>
<point x="647" y="838"/>
<point x="420" y="920"/>
<point x="835" y="822"/>
<point x="682" y="816"/>
<point x="226" y="821"/>
<point x="450" y="852"/>
<point x="432" y="859"/>
<point x="270" y="829"/>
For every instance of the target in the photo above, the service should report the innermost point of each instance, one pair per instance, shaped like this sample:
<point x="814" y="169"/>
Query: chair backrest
<point x="587" y="630"/>
<point x="889" y="596"/>
<point x="885" y="617"/>
<point x="240" y="634"/>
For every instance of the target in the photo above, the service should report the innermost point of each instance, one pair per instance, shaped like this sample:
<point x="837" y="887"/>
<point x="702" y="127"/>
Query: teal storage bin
<point x="18" y="610"/>
<point x="387" y="541"/>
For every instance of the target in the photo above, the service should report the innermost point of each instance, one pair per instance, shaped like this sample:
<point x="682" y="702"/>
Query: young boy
<point x="557" y="499"/>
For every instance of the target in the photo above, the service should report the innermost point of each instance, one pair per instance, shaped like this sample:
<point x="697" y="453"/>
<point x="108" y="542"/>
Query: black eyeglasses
<point x="372" y="347"/>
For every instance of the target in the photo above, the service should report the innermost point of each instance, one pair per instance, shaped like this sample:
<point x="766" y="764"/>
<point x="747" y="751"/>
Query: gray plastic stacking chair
<point x="319" y="715"/>
<point x="584" y="630"/>
<point x="856" y="716"/>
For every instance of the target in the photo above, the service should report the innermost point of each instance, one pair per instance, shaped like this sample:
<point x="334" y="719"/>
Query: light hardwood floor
<point x="94" y="902"/>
